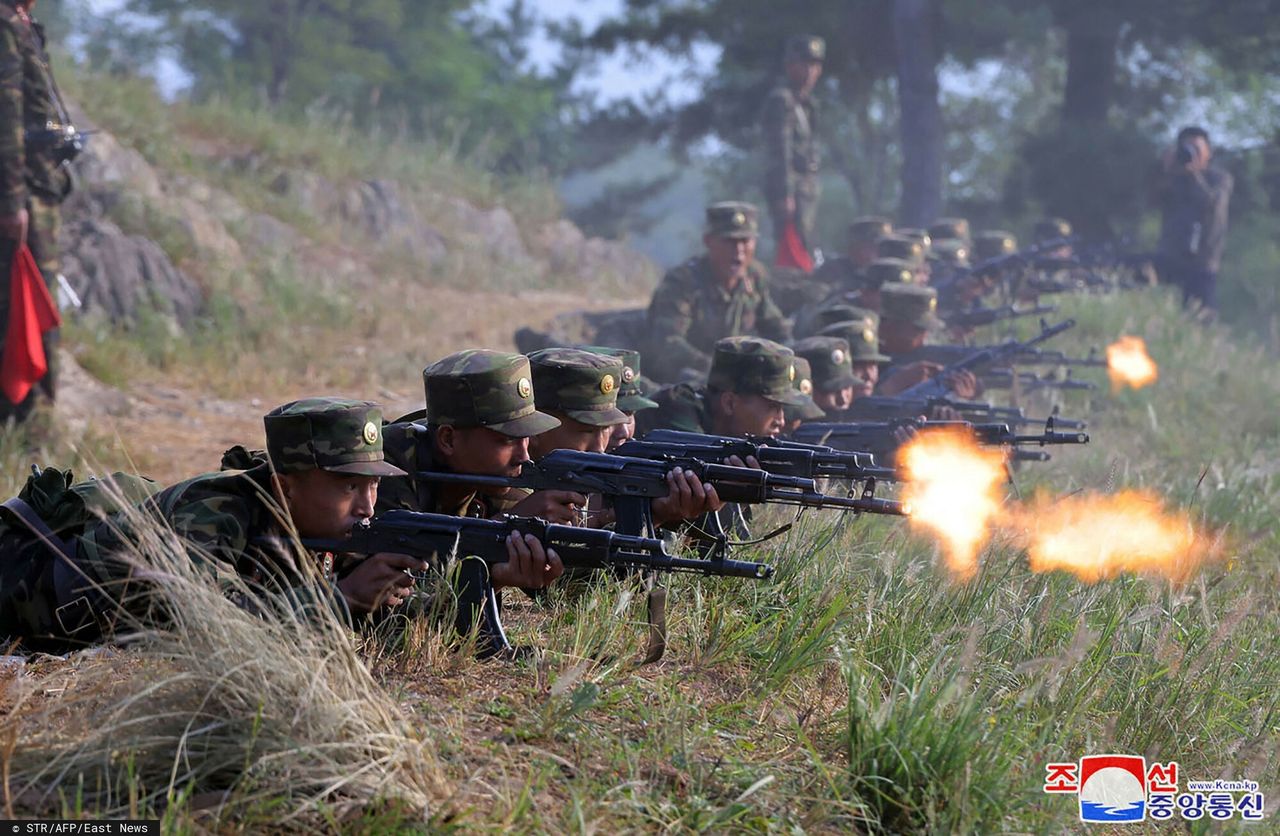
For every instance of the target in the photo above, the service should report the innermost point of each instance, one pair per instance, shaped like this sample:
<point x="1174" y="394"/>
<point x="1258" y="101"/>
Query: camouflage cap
<point x="869" y="229"/>
<point x="482" y="388"/>
<point x="1050" y="228"/>
<point x="630" y="396"/>
<point x="815" y="319"/>
<point x="951" y="251"/>
<point x="884" y="271"/>
<point x="954" y="228"/>
<point x="333" y="434"/>
<point x="732" y="219"/>
<point x="920" y="236"/>
<point x="993" y="243"/>
<point x="831" y="361"/>
<point x="913" y="303"/>
<point x="863" y="337"/>
<point x="803" y="384"/>
<point x="899" y="246"/>
<point x="577" y="383"/>
<point x="806" y="48"/>
<point x="754" y="366"/>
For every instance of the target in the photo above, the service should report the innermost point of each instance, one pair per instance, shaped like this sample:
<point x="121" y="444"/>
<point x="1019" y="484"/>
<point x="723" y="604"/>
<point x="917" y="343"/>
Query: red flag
<point x="791" y="250"/>
<point x="31" y="314"/>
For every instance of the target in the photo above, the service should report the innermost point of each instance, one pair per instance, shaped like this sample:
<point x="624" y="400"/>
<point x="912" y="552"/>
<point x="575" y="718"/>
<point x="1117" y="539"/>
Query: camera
<point x="63" y="142"/>
<point x="1186" y="153"/>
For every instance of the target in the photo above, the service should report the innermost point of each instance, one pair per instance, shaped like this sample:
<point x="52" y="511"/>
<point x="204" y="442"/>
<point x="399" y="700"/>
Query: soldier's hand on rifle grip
<point x="908" y="376"/>
<point x="14" y="227"/>
<point x="560" y="507"/>
<point x="528" y="566"/>
<point x="380" y="580"/>
<point x="964" y="384"/>
<point x="737" y="461"/>
<point x="689" y="498"/>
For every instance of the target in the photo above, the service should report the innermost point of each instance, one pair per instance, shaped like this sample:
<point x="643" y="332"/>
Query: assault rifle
<point x="632" y="484"/>
<point x="881" y="437"/>
<point x="1031" y="382"/>
<point x="978" y="316"/>
<point x="980" y="358"/>
<point x="480" y="543"/>
<point x="886" y="408"/>
<point x="782" y="456"/>
<point x="948" y="354"/>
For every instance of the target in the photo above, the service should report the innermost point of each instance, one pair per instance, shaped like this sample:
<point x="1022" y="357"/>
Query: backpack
<point x="39" y="529"/>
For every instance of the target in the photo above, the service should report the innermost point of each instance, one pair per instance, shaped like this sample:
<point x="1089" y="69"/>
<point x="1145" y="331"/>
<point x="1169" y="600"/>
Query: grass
<point x="861" y="689"/>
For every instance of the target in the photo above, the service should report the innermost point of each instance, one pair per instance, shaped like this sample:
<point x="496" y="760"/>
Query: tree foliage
<point x="428" y="65"/>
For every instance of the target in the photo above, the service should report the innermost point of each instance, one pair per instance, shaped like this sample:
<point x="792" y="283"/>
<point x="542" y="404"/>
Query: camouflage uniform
<point x="911" y="303"/>
<point x="745" y="365"/>
<point x="30" y="175"/>
<point x="790" y="128"/>
<point x="472" y="388"/>
<point x="229" y="522"/>
<point x="841" y="275"/>
<point x="690" y="311"/>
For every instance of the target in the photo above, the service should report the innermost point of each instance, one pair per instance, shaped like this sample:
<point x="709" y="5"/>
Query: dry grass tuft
<point x="273" y="715"/>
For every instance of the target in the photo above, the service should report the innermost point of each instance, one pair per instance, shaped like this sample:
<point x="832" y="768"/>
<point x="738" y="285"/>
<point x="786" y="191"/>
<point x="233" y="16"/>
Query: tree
<point x="914" y="24"/>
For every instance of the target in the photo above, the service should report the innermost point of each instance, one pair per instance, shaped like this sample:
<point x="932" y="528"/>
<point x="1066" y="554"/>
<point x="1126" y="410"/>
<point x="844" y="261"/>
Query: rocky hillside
<point x="225" y="262"/>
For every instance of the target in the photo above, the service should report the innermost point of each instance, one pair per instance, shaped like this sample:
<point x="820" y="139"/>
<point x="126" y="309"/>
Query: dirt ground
<point x="171" y="430"/>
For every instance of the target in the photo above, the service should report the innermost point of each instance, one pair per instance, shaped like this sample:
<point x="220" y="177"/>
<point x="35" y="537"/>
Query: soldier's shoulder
<point x="780" y="94"/>
<point x="681" y="406"/>
<point x="684" y="273"/>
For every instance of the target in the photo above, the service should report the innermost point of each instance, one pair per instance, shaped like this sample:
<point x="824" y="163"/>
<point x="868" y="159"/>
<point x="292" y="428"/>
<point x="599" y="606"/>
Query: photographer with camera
<point x="37" y="142"/>
<point x="1194" y="198"/>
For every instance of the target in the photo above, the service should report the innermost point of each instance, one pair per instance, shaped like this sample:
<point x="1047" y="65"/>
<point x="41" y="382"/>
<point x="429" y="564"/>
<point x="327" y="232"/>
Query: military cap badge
<point x="791" y="373"/>
<point x="628" y="374"/>
<point x="837" y="357"/>
<point x="739" y="219"/>
<point x="524" y="387"/>
<point x="806" y="387"/>
<point x="606" y="384"/>
<point x="868" y="335"/>
<point x="370" y="433"/>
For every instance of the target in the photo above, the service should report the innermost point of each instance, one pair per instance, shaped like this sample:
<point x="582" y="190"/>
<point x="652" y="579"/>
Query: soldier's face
<point x="620" y="434"/>
<point x="870" y="374"/>
<point x="898" y="337"/>
<point x="862" y="253"/>
<point x="570" y="435"/>
<point x="804" y="75"/>
<point x="836" y="400"/>
<point x="324" y="504"/>
<point x="730" y="257"/>
<point x="870" y="298"/>
<point x="481" y="451"/>
<point x="749" y="415"/>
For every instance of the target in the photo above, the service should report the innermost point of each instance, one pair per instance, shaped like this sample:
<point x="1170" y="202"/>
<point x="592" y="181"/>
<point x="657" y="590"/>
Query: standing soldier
<point x="36" y="140"/>
<point x="791" y="149"/>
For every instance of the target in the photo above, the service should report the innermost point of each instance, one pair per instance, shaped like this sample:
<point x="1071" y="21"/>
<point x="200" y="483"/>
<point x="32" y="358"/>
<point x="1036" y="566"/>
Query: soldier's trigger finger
<point x="754" y="463"/>
<point x="400" y="562"/>
<point x="554" y="566"/>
